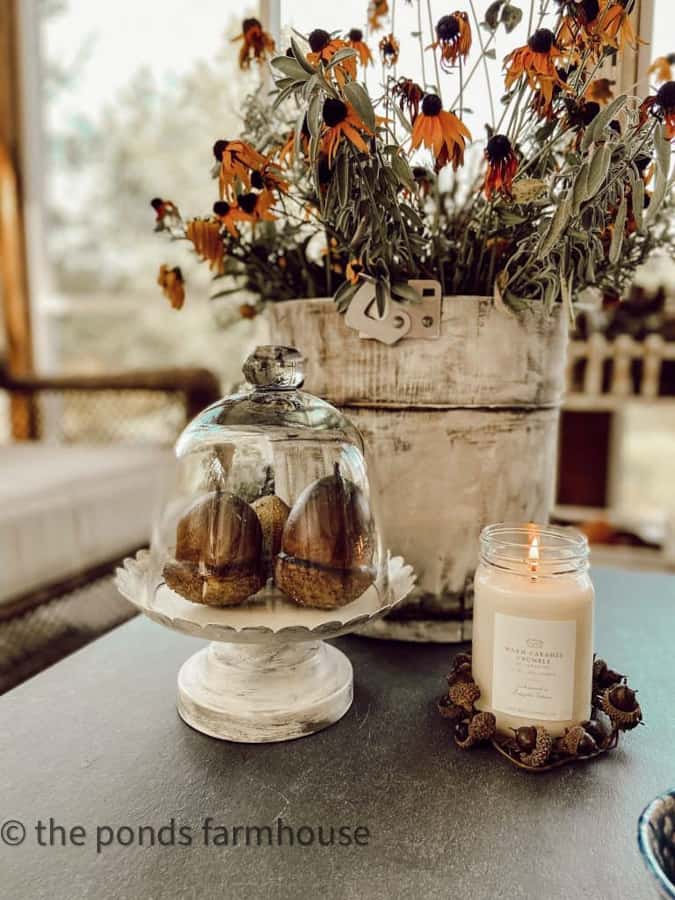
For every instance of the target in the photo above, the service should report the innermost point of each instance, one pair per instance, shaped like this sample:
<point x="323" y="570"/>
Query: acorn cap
<point x="482" y="727"/>
<point x="571" y="739"/>
<point x="542" y="749"/>
<point x="449" y="710"/>
<point x="219" y="530"/>
<point x="464" y="694"/>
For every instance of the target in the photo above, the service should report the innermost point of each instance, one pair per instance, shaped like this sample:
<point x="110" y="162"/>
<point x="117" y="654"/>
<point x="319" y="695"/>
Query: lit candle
<point x="533" y="626"/>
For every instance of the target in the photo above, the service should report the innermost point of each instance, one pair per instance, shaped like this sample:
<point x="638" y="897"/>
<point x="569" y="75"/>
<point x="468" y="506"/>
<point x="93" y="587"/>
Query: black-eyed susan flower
<point x="205" y="237"/>
<point x="613" y="26"/>
<point x="237" y="160"/>
<point x="269" y="178"/>
<point x="661" y="67"/>
<point x="356" y="42"/>
<point x="536" y="60"/>
<point x="502" y="166"/>
<point x="409" y="95"/>
<point x="323" y="48"/>
<point x="377" y="10"/>
<point x="453" y="36"/>
<point x="228" y="214"/>
<point x="662" y="105"/>
<point x="256" y="43"/>
<point x="389" y="50"/>
<point x="340" y="119"/>
<point x="441" y="131"/>
<point x="172" y="284"/>
<point x="257" y="206"/>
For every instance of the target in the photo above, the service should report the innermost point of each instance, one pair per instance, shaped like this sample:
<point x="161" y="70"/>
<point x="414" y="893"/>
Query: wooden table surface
<point x="95" y="744"/>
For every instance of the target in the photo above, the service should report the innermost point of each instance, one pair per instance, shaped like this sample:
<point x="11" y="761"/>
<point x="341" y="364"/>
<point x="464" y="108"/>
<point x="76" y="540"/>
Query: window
<point x="129" y="106"/>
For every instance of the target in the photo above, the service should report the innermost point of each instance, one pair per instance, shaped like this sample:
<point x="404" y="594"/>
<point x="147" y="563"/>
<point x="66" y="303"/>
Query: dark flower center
<point x="665" y="96"/>
<point x="420" y="172"/>
<point x="498" y="148"/>
<point x="218" y="149"/>
<point x="334" y="112"/>
<point x="318" y="40"/>
<point x="447" y="28"/>
<point x="156" y="202"/>
<point x="591" y="9"/>
<point x="541" y="41"/>
<point x="432" y="105"/>
<point x="388" y="48"/>
<point x="589" y="111"/>
<point x="247" y="202"/>
<point x="356" y="35"/>
<point x="250" y="23"/>
<point x="642" y="162"/>
<point x="221" y="208"/>
<point x="257" y="181"/>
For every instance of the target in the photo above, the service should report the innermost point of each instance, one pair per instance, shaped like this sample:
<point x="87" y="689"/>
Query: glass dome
<point x="274" y="502"/>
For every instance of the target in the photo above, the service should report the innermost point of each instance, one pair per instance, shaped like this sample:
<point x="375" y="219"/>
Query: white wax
<point x="533" y="647"/>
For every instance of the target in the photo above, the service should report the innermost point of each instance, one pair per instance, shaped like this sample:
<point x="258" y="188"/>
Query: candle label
<point x="533" y="667"/>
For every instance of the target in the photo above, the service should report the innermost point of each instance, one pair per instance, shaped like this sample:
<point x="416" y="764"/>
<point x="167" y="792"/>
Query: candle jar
<point x="533" y="626"/>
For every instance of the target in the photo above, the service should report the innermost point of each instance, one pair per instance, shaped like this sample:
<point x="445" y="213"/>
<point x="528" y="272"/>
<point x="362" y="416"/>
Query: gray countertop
<point x="95" y="742"/>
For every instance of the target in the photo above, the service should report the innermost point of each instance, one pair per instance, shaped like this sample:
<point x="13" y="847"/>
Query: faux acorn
<point x="218" y="557"/>
<point x="464" y="694"/>
<point x="540" y="752"/>
<point x="620" y="704"/>
<point x="576" y="741"/>
<point x="327" y="545"/>
<point x="480" y="727"/>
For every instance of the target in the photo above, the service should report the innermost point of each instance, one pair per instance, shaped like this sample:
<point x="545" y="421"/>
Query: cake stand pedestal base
<point x="257" y="693"/>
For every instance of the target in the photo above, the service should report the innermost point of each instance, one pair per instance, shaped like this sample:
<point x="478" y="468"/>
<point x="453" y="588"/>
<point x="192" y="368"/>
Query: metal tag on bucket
<point x="401" y="320"/>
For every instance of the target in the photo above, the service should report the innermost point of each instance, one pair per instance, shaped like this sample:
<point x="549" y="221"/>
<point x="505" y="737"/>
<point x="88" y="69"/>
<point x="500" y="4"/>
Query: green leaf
<point x="341" y="56"/>
<point x="291" y="67"/>
<point x="491" y="53"/>
<point x="617" y="234"/>
<point x="600" y="122"/>
<point x="492" y="14"/>
<point x="405" y="291"/>
<point x="359" y="99"/>
<point x="300" y="56"/>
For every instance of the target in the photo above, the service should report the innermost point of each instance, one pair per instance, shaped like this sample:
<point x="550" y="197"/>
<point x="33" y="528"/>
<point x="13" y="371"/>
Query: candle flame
<point x="533" y="555"/>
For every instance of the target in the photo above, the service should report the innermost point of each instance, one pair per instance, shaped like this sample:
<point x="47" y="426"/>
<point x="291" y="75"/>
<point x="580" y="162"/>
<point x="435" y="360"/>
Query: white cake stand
<point x="267" y="675"/>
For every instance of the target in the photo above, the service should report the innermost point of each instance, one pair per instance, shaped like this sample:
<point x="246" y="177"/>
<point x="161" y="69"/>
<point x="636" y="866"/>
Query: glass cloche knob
<point x="275" y="368"/>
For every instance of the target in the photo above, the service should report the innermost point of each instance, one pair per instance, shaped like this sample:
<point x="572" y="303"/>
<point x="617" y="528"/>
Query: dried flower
<point x="441" y="131"/>
<point x="502" y="166"/>
<point x="662" y="105"/>
<point x="237" y="160"/>
<point x="453" y="36"/>
<point x="208" y="244"/>
<point x="600" y="90"/>
<point x="409" y="95"/>
<point x="389" y="50"/>
<point x="173" y="285"/>
<point x="256" y="43"/>
<point x="340" y="119"/>
<point x="356" y="42"/>
<point x="661" y="67"/>
<point x="536" y="60"/>
<point x="612" y="26"/>
<point x="323" y="48"/>
<point x="377" y="10"/>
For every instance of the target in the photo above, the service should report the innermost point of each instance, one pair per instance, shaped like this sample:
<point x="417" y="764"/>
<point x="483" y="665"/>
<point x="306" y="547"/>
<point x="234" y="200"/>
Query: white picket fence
<point x="605" y="387"/>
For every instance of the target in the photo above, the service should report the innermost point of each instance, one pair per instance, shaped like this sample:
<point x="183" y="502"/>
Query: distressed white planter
<point x="463" y="429"/>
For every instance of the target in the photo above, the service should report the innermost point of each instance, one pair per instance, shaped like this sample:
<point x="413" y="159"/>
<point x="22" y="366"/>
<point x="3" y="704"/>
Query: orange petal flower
<point x="208" y="244"/>
<point x="453" y="36"/>
<point x="661" y="67"/>
<point x="502" y="166"/>
<point x="409" y="95"/>
<point x="173" y="285"/>
<point x="323" y="49"/>
<point x="237" y="159"/>
<point x="441" y="131"/>
<point x="662" y="105"/>
<point x="257" y="43"/>
<point x="536" y="60"/>
<point x="356" y="42"/>
<point x="377" y="10"/>
<point x="613" y="26"/>
<point x="340" y="119"/>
